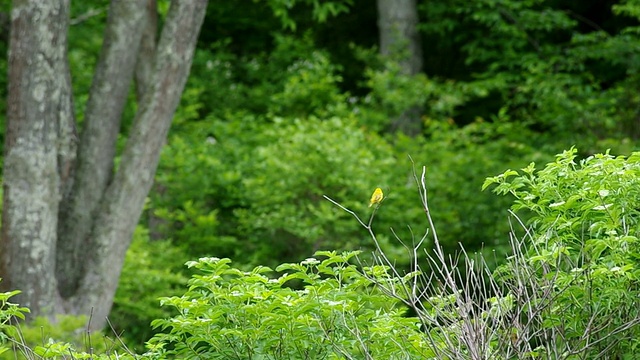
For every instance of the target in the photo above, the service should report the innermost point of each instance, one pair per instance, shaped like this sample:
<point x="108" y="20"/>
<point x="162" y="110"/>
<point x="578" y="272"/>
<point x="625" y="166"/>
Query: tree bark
<point x="68" y="219"/>
<point x="400" y="41"/>
<point x="39" y="109"/>
<point x="143" y="77"/>
<point x="97" y="148"/>
<point x="144" y="62"/>
<point x="123" y="200"/>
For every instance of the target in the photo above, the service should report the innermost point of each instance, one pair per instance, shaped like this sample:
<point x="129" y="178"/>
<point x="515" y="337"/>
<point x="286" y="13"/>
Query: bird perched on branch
<point x="376" y="197"/>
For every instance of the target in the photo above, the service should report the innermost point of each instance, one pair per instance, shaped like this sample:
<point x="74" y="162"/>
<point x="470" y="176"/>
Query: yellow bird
<point x="376" y="197"/>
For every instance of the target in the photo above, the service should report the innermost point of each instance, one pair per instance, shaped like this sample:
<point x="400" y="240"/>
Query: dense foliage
<point x="289" y="101"/>
<point x="230" y="314"/>
<point x="584" y="229"/>
<point x="569" y="289"/>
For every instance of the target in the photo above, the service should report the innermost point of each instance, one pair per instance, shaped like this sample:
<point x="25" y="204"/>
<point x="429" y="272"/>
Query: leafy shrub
<point x="560" y="295"/>
<point x="235" y="188"/>
<point x="152" y="269"/>
<point x="458" y="159"/>
<point x="584" y="228"/>
<point x="302" y="160"/>
<point x="254" y="192"/>
<point x="569" y="289"/>
<point x="41" y="339"/>
<point x="231" y="314"/>
<point x="8" y="313"/>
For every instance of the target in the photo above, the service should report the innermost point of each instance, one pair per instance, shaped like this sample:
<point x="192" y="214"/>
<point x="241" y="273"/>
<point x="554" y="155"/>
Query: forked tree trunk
<point x="68" y="214"/>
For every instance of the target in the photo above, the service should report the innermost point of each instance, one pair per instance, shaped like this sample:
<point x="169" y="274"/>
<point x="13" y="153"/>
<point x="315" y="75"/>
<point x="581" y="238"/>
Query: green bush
<point x="152" y="269"/>
<point x="285" y="214"/>
<point x="337" y="313"/>
<point x="40" y="339"/>
<point x="584" y="224"/>
<point x="253" y="191"/>
<point x="9" y="312"/>
<point x="568" y="290"/>
<point x="457" y="161"/>
<point x="259" y="199"/>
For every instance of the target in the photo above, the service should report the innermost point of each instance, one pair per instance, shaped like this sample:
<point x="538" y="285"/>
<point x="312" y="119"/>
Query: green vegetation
<point x="568" y="290"/>
<point x="289" y="102"/>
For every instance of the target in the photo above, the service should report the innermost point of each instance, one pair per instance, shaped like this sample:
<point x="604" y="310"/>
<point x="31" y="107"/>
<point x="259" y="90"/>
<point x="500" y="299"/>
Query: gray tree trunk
<point x="143" y="77"/>
<point x="148" y="43"/>
<point x="68" y="220"/>
<point x="97" y="148"/>
<point x="39" y="108"/>
<point x="400" y="41"/>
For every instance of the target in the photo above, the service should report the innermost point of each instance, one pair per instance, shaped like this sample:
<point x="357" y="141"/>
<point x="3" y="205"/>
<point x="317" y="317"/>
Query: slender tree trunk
<point x="68" y="214"/>
<point x="400" y="41"/>
<point x="97" y="148"/>
<point x="148" y="43"/>
<point x="143" y="77"/>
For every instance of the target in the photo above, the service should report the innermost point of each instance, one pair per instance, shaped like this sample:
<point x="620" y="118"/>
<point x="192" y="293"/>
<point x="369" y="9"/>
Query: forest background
<point x="282" y="108"/>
